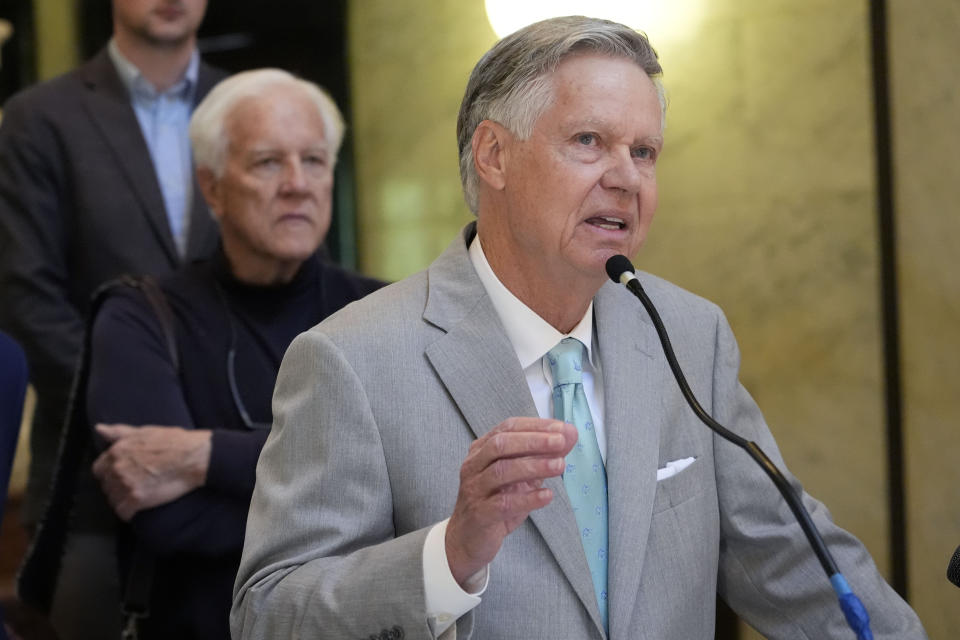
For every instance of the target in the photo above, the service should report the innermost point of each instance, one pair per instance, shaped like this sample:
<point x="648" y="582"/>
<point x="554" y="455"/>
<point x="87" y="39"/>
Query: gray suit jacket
<point x="376" y="408"/>
<point x="79" y="204"/>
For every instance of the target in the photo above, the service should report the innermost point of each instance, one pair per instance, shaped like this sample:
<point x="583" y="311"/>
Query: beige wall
<point x="409" y="64"/>
<point x="56" y="33"/>
<point x="924" y="49"/>
<point x="767" y="207"/>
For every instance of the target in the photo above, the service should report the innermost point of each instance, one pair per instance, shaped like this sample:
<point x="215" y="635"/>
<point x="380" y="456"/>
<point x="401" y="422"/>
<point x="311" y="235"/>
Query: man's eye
<point x="315" y="159"/>
<point x="643" y="153"/>
<point x="586" y="139"/>
<point x="265" y="162"/>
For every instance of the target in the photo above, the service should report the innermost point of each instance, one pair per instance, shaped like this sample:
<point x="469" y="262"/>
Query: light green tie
<point x="584" y="478"/>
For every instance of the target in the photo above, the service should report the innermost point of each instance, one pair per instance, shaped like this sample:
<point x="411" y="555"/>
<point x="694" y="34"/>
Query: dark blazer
<point x="79" y="204"/>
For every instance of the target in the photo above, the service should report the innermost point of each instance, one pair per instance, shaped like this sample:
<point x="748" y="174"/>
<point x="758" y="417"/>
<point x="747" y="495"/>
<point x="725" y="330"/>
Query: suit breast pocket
<point x="683" y="486"/>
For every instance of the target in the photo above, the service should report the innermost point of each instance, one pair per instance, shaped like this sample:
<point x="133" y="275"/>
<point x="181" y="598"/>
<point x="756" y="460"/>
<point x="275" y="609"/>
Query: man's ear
<point x="210" y="188"/>
<point x="489" y="159"/>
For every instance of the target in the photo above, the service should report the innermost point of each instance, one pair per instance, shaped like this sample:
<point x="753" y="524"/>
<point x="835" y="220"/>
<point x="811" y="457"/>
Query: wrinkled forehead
<point x="589" y="88"/>
<point x="282" y="114"/>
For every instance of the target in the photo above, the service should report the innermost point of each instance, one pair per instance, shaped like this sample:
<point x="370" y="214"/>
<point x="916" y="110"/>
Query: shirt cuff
<point x="446" y="601"/>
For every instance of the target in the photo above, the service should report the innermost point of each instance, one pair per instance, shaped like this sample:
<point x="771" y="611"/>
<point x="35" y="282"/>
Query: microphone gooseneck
<point x="621" y="271"/>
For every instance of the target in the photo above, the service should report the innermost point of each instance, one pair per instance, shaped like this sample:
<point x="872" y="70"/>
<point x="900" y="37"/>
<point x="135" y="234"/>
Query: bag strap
<point x="37" y="577"/>
<point x="158" y="300"/>
<point x="136" y="595"/>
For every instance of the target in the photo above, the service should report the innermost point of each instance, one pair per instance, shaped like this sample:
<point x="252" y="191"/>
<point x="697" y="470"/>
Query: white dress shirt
<point x="532" y="337"/>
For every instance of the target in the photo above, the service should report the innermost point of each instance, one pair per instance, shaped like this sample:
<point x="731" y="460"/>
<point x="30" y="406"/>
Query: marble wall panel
<point x="409" y="66"/>
<point x="767" y="207"/>
<point x="925" y="93"/>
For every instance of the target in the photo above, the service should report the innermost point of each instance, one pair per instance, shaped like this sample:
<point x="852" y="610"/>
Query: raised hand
<point x="501" y="482"/>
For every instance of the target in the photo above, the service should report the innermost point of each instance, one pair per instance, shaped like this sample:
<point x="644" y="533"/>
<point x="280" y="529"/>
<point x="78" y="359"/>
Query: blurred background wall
<point x="926" y="122"/>
<point x="769" y="200"/>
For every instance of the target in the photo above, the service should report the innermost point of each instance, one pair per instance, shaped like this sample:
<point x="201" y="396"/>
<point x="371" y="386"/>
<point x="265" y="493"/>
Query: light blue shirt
<point x="164" y="119"/>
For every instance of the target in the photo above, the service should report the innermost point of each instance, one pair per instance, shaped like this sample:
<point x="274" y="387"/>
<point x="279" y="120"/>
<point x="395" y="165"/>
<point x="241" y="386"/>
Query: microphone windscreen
<point x="953" y="569"/>
<point x="618" y="265"/>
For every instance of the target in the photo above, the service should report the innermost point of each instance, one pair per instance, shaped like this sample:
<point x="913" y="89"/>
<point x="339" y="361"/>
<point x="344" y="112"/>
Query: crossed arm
<point x="145" y="467"/>
<point x="181" y="487"/>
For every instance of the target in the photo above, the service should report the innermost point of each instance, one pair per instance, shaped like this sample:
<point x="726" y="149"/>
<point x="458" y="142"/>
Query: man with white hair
<point x="185" y="428"/>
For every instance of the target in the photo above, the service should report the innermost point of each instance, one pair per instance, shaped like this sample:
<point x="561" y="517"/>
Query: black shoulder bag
<point x="37" y="578"/>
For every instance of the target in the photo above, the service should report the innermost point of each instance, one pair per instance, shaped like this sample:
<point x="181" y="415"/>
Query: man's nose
<point x="294" y="176"/>
<point x="623" y="173"/>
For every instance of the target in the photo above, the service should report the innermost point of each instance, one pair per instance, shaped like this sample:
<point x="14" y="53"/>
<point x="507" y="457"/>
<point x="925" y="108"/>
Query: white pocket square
<point x="673" y="467"/>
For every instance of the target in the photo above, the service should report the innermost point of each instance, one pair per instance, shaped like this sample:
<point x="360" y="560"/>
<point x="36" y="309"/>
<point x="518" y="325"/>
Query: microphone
<point x="953" y="569"/>
<point x="620" y="270"/>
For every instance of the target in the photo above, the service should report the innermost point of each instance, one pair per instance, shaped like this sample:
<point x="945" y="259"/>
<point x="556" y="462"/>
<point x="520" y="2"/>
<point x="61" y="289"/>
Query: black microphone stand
<point x="621" y="271"/>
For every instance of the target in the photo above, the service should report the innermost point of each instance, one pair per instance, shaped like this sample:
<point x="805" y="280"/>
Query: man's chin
<point x="167" y="38"/>
<point x="295" y="251"/>
<point x="598" y="260"/>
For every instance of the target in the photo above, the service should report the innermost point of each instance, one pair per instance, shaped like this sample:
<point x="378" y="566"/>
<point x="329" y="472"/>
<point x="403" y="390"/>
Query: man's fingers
<point x="125" y="510"/>
<point x="510" y="475"/>
<point x="100" y="465"/>
<point x="528" y="424"/>
<point x="509" y="471"/>
<point x="113" y="432"/>
<point x="511" y="440"/>
<point x="510" y="508"/>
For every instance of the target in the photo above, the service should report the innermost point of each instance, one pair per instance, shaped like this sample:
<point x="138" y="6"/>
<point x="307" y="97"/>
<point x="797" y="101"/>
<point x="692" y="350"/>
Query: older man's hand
<point x="149" y="466"/>
<point x="500" y="484"/>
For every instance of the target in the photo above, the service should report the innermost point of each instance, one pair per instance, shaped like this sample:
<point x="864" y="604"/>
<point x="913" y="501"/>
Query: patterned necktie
<point x="585" y="478"/>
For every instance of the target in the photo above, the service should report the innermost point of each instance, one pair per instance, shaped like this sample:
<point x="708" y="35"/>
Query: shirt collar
<point x="137" y="85"/>
<point x="530" y="335"/>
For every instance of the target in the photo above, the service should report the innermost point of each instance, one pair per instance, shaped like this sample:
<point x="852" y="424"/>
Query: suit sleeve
<point x="768" y="572"/>
<point x="34" y="225"/>
<point x="320" y="556"/>
<point x="133" y="381"/>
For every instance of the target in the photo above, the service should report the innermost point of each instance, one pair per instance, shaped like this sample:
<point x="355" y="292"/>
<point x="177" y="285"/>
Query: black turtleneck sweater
<point x="198" y="538"/>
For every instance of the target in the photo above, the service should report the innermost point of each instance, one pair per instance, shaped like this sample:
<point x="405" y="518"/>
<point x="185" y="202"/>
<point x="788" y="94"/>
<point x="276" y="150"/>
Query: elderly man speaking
<point x="506" y="454"/>
<point x="265" y="144"/>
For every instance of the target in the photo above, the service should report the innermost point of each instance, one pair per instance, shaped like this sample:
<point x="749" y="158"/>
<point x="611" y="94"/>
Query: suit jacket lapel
<point x="632" y="419"/>
<point x="108" y="105"/>
<point x="478" y="366"/>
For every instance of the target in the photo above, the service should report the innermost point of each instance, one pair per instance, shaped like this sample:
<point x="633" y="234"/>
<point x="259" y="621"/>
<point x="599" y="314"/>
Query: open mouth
<point x="611" y="223"/>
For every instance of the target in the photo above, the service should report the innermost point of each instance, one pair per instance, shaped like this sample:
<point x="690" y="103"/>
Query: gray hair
<point x="511" y="83"/>
<point x="208" y="134"/>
